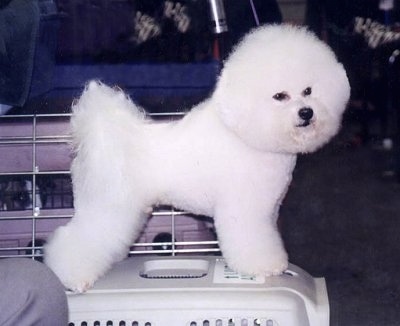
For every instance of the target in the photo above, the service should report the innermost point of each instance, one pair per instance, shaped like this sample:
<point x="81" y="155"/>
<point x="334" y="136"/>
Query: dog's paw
<point x="78" y="287"/>
<point x="76" y="263"/>
<point x="76" y="279"/>
<point x="272" y="266"/>
<point x="275" y="267"/>
<point x="262" y="265"/>
<point x="267" y="268"/>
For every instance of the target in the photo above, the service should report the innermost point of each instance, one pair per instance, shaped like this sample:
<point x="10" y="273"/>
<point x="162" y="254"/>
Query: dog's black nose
<point x="306" y="113"/>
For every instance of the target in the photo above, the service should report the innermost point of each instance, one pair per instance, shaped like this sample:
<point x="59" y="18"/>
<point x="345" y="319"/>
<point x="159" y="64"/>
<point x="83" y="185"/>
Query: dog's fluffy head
<point x="282" y="90"/>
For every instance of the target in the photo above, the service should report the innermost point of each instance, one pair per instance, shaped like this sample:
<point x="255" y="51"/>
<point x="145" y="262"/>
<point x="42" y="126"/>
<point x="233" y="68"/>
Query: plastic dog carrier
<point x="199" y="291"/>
<point x="174" y="275"/>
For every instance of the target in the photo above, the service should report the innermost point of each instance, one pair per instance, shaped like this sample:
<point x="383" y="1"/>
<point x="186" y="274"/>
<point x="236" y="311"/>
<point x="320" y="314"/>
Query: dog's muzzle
<point x="305" y="115"/>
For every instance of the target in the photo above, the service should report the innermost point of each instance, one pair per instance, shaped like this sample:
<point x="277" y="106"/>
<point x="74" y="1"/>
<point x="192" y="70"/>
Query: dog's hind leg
<point x="109" y="208"/>
<point x="106" y="222"/>
<point x="82" y="251"/>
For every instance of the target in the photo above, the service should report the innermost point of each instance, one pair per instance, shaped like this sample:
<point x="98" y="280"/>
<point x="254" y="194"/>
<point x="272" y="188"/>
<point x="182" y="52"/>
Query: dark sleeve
<point x="19" y="22"/>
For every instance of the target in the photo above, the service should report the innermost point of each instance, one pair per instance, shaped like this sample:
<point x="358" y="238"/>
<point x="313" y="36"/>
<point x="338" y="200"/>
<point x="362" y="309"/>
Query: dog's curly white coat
<point x="281" y="92"/>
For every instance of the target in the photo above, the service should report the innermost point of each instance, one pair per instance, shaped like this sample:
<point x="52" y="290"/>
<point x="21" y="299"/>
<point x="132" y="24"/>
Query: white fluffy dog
<point x="281" y="92"/>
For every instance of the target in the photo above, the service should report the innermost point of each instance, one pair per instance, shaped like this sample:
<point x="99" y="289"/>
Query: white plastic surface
<point x="189" y="291"/>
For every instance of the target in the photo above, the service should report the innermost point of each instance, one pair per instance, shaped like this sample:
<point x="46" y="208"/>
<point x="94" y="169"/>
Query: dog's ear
<point x="336" y="81"/>
<point x="229" y="105"/>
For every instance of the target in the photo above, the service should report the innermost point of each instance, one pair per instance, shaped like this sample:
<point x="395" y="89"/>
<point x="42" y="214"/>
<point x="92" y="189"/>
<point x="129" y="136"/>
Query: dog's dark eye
<point x="282" y="96"/>
<point x="307" y="91"/>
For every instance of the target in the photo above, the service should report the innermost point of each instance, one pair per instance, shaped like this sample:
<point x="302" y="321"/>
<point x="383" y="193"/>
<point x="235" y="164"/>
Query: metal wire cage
<point x="36" y="197"/>
<point x="36" y="194"/>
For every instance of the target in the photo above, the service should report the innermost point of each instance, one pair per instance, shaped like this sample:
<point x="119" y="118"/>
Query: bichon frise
<point x="281" y="92"/>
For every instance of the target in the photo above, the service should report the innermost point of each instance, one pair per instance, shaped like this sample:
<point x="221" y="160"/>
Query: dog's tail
<point x="102" y="111"/>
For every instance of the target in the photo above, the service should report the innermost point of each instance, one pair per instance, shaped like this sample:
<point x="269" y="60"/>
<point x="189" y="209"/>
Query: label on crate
<point x="223" y="274"/>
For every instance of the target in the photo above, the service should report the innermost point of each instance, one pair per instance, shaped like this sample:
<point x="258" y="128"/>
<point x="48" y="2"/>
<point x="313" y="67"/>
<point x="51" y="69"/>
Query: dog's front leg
<point x="249" y="239"/>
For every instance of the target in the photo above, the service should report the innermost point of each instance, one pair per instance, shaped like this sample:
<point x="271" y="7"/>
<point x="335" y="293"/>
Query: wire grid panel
<point x="36" y="194"/>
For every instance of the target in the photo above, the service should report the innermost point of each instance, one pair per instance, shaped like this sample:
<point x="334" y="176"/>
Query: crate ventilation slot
<point x="235" y="322"/>
<point x="179" y="268"/>
<point x="110" y="323"/>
